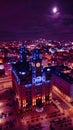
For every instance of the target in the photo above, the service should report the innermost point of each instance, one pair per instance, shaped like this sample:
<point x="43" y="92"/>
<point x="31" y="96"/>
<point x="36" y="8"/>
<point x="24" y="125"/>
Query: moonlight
<point x="55" y="10"/>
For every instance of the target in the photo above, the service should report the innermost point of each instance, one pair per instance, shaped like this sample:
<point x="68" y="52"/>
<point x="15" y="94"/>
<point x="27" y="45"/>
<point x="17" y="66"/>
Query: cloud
<point x="26" y="19"/>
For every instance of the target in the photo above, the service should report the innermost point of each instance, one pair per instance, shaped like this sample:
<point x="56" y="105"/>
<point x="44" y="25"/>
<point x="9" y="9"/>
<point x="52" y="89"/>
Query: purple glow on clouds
<point x="33" y="19"/>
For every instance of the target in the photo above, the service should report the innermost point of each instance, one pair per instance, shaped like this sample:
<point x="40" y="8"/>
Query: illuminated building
<point x="30" y="80"/>
<point x="5" y="80"/>
<point x="62" y="83"/>
<point x="2" y="69"/>
<point x="8" y="118"/>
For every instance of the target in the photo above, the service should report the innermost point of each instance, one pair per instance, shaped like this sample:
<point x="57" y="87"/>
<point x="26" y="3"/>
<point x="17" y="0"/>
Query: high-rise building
<point x="30" y="80"/>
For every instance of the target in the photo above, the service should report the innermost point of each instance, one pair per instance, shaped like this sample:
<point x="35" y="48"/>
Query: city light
<point x="37" y="86"/>
<point x="36" y="65"/>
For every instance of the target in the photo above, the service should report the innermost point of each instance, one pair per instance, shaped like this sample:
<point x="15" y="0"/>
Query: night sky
<point x="32" y="19"/>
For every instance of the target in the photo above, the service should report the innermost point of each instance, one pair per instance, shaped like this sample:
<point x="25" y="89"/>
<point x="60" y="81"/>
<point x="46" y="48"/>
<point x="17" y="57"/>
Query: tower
<point x="38" y="77"/>
<point x="37" y="68"/>
<point x="23" y="54"/>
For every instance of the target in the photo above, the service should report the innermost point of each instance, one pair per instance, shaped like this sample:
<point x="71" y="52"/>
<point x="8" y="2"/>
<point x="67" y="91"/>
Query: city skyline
<point x="35" y="19"/>
<point x="36" y="85"/>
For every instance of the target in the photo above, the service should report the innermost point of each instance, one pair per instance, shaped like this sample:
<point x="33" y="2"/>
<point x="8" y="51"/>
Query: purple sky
<point x="32" y="19"/>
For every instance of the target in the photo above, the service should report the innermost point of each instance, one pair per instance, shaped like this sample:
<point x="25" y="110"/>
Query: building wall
<point x="65" y="88"/>
<point x="71" y="92"/>
<point x="28" y="96"/>
<point x="5" y="82"/>
<point x="63" y="85"/>
<point x="17" y="89"/>
<point x="8" y="115"/>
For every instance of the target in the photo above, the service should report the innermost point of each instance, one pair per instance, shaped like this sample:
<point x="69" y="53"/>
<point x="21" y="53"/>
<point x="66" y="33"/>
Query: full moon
<point x="55" y="10"/>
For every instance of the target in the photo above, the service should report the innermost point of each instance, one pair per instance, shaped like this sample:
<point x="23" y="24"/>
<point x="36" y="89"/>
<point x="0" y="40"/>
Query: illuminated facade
<point x="31" y="81"/>
<point x="5" y="80"/>
<point x="62" y="83"/>
<point x="2" y="69"/>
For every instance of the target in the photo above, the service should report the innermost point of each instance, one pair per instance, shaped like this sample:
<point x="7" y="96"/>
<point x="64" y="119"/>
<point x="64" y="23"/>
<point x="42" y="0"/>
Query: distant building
<point x="31" y="81"/>
<point x="5" y="80"/>
<point x="2" y="69"/>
